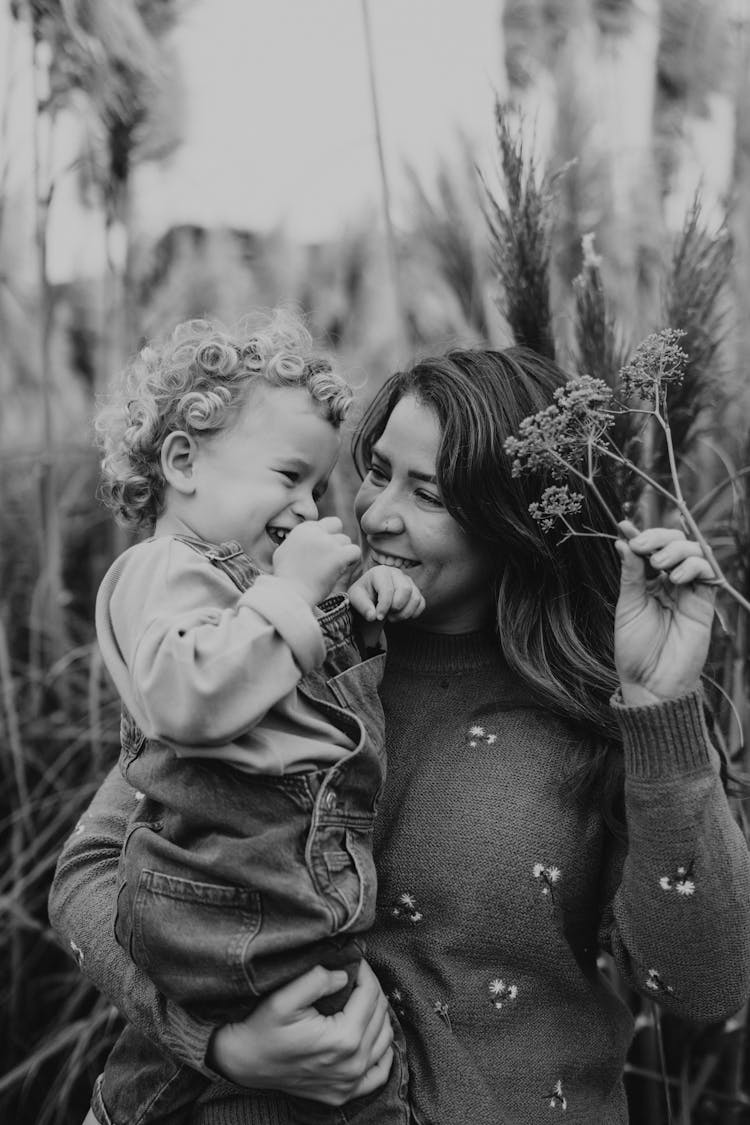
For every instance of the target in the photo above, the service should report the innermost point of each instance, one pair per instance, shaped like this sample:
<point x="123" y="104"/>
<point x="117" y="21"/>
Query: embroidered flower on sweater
<point x="406" y="909"/>
<point x="557" y="1099"/>
<point x="548" y="877"/>
<point x="502" y="993"/>
<point x="79" y="828"/>
<point x="681" y="881"/>
<point x="655" y="983"/>
<point x="77" y="953"/>
<point x="479" y="734"/>
<point x="441" y="1008"/>
<point x="396" y="998"/>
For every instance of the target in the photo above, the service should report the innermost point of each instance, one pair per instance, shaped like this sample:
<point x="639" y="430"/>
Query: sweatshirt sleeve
<point x="80" y="909"/>
<point x="678" y="924"/>
<point x="196" y="662"/>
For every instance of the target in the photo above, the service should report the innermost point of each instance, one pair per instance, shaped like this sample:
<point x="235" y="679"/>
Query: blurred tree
<point x="103" y="64"/>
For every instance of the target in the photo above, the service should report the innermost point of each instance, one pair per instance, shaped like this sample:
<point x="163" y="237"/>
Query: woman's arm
<point x="678" y="924"/>
<point x="81" y="906"/>
<point x="679" y="921"/>
<point x="285" y="1044"/>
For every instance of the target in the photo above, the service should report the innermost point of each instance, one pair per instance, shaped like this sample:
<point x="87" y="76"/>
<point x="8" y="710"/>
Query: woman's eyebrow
<point x="414" y="474"/>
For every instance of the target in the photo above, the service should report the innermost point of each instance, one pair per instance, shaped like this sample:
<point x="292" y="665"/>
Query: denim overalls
<point x="232" y="885"/>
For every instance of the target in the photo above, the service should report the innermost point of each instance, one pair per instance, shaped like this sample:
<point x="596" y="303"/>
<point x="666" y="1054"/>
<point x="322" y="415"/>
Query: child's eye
<point x="290" y="474"/>
<point x="375" y="473"/>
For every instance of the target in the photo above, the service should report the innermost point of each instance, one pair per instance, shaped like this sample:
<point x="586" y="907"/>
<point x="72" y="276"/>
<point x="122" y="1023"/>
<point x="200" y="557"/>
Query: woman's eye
<point x="431" y="499"/>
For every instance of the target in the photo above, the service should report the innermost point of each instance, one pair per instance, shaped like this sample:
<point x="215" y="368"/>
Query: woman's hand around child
<point x="662" y="624"/>
<point x="286" y="1044"/>
<point x="386" y="593"/>
<point x="314" y="556"/>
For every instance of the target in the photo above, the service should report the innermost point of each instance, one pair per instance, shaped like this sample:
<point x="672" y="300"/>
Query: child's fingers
<point x="330" y="524"/>
<point x="384" y="590"/>
<point x="416" y="603"/>
<point x="402" y="591"/>
<point x="410" y="605"/>
<point x="362" y="603"/>
<point x="350" y="554"/>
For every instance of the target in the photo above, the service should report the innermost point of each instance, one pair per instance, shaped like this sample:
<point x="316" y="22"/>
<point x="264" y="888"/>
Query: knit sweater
<point x="497" y="890"/>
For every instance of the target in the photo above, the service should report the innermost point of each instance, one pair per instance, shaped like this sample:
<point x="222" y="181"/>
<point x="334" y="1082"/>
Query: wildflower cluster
<point x="576" y="434"/>
<point x="659" y="362"/>
<point x="556" y="503"/>
<point x="567" y="431"/>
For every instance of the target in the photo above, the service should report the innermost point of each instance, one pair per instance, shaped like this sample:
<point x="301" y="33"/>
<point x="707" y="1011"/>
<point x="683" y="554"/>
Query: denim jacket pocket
<point x="192" y="938"/>
<point x="346" y="852"/>
<point x="356" y="689"/>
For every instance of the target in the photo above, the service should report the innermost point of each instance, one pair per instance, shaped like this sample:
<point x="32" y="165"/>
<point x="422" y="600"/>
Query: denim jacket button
<point x="331" y="801"/>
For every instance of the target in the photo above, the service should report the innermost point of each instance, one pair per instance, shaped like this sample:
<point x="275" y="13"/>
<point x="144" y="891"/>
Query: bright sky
<point x="278" y="116"/>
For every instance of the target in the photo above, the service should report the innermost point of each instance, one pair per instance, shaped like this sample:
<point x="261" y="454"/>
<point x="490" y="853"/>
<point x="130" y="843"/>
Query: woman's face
<point x="404" y="524"/>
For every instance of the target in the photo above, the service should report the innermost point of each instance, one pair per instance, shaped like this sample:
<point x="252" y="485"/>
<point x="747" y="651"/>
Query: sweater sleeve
<point x="197" y="663"/>
<point x="80" y="908"/>
<point x="678" y="924"/>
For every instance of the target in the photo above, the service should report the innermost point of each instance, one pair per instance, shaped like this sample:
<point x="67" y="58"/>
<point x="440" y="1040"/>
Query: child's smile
<point x="255" y="481"/>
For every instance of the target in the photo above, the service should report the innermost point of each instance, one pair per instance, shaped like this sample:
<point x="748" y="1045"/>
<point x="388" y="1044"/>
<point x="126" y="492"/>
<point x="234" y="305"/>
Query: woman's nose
<point x="381" y="519"/>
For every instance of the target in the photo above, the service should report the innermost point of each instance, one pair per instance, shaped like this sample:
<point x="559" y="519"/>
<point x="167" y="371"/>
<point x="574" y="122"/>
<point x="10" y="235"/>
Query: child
<point x="252" y="730"/>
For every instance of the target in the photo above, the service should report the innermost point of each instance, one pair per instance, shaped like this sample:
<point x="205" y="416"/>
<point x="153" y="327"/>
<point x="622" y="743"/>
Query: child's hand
<point x="386" y="593"/>
<point x="662" y="626"/>
<point x="315" y="555"/>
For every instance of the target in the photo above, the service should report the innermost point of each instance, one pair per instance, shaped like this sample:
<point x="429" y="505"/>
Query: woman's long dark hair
<point x="555" y="600"/>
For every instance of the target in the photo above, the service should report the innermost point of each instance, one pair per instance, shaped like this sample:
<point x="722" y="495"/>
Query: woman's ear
<point x="178" y="455"/>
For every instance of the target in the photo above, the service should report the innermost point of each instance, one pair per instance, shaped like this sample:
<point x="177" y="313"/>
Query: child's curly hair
<point x="195" y="380"/>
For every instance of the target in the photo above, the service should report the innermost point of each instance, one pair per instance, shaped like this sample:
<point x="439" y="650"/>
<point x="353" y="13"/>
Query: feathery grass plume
<point x="519" y="233"/>
<point x="572" y="439"/>
<point x="694" y="287"/>
<point x="446" y="227"/>
<point x="602" y="353"/>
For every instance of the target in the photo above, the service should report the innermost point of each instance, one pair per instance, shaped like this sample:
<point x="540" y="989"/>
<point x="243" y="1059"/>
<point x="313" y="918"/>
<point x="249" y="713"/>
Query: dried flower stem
<point x="676" y="498"/>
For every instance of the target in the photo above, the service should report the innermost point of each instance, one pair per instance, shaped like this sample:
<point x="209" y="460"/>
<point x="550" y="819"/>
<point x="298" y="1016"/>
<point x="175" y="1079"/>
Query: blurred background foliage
<point x="621" y="205"/>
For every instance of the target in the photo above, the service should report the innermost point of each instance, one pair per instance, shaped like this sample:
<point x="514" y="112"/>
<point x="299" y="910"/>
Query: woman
<point x="527" y="822"/>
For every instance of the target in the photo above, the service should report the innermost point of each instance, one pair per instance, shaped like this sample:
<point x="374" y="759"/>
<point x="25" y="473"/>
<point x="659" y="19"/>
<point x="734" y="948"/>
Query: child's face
<point x="258" y="479"/>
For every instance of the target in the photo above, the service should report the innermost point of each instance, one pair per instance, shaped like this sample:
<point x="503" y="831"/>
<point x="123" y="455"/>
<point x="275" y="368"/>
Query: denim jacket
<point x="233" y="884"/>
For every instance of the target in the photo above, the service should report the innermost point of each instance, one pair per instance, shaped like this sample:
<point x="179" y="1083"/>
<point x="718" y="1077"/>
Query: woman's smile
<point x="405" y="524"/>
<point x="379" y="558"/>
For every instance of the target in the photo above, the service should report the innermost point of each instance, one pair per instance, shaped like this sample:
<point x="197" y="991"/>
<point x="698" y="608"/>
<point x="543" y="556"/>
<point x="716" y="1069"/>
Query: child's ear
<point x="178" y="455"/>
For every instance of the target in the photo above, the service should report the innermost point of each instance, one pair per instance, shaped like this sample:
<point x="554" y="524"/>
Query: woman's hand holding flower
<point x="662" y="624"/>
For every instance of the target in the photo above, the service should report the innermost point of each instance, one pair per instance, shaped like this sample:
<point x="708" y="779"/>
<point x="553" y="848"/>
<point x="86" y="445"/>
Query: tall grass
<point x="675" y="1073"/>
<point x="58" y="713"/>
<point x="59" y="731"/>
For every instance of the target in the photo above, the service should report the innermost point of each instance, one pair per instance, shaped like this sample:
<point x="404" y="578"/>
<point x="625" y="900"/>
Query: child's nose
<point x="305" y="507"/>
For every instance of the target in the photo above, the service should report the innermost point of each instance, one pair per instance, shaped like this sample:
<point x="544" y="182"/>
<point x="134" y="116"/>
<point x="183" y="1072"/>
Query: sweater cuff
<point x="282" y="606"/>
<point x="189" y="1038"/>
<point x="666" y="739"/>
